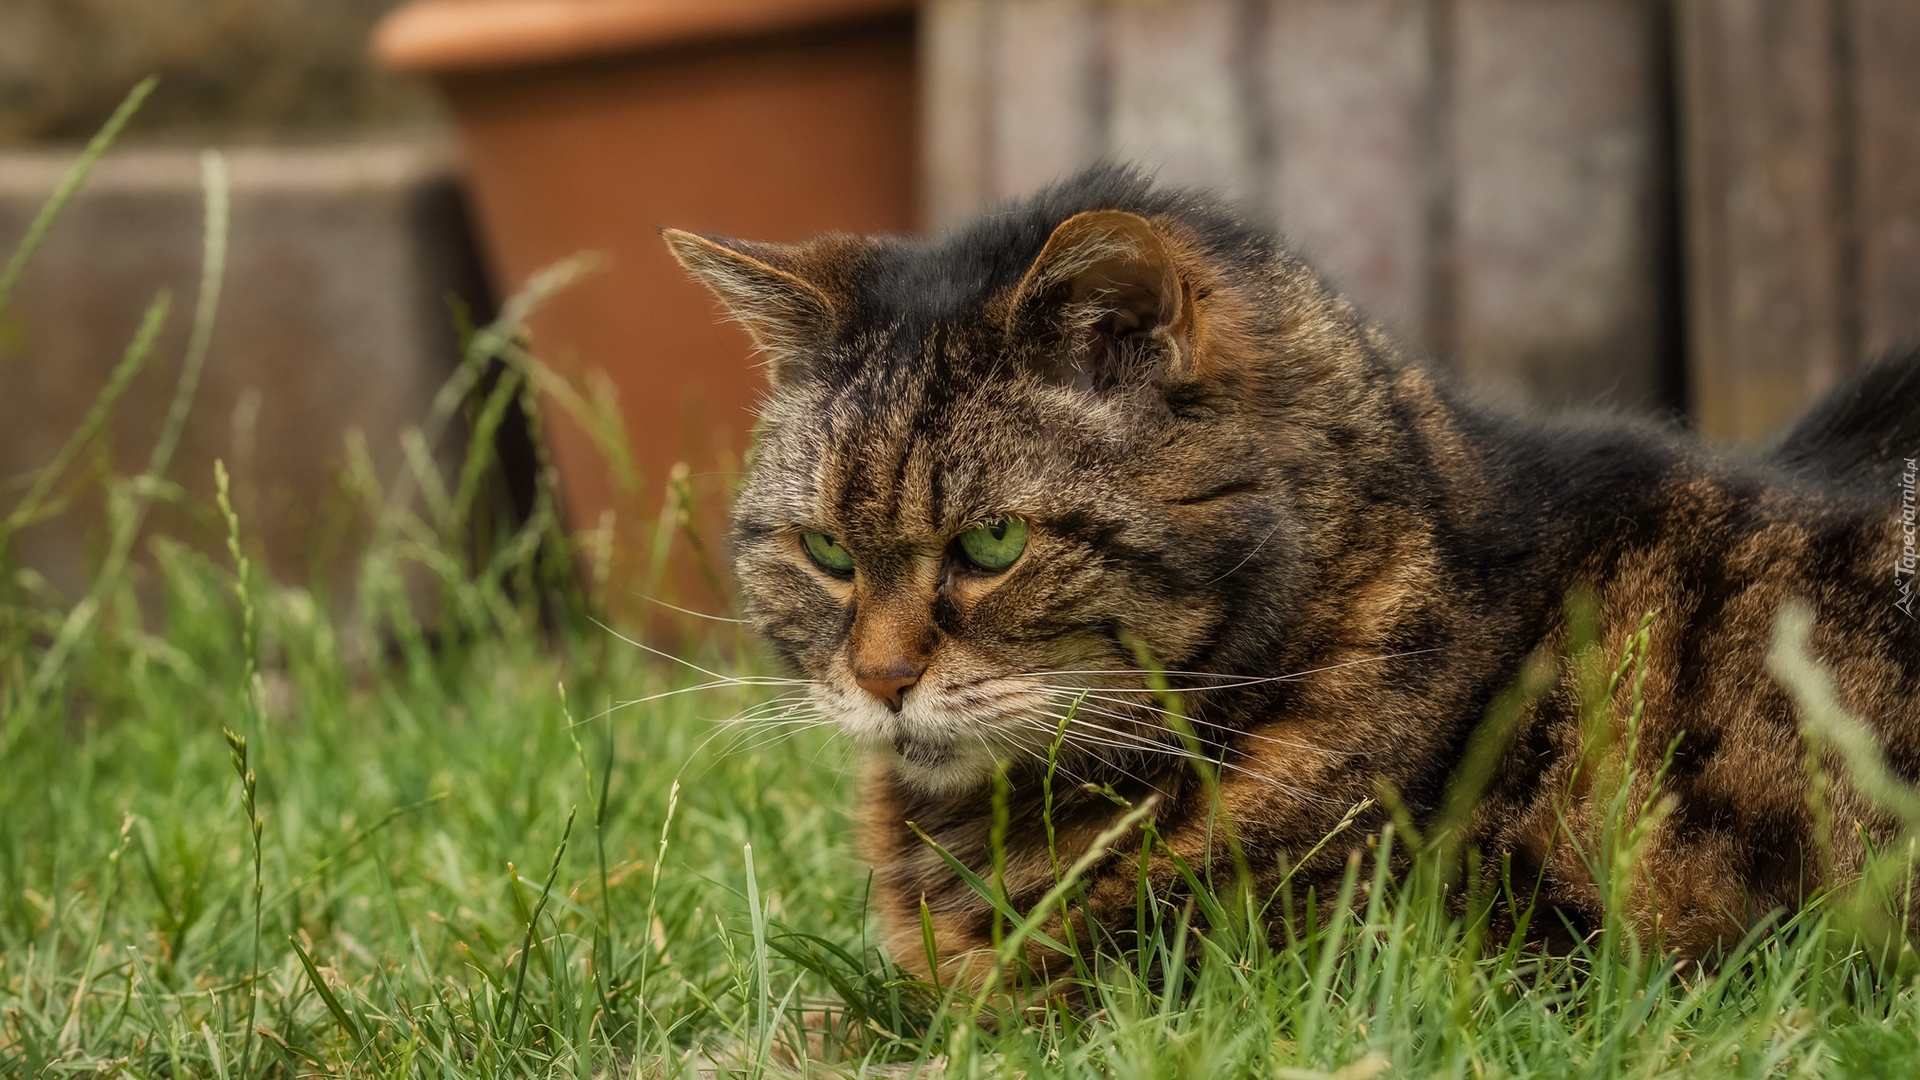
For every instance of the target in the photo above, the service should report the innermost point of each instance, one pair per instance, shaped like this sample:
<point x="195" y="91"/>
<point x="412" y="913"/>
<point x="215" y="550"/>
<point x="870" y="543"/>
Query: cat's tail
<point x="1864" y="430"/>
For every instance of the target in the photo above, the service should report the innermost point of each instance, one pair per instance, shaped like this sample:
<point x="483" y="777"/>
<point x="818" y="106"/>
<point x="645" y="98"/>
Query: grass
<point x="255" y="831"/>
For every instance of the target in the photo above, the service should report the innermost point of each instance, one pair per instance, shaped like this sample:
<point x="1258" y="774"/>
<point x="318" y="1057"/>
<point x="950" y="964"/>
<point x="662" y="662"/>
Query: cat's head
<point x="996" y="472"/>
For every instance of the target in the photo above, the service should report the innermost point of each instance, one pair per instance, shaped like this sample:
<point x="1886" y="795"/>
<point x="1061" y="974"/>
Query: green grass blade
<point x="982" y="887"/>
<point x="25" y="511"/>
<point x="127" y="528"/>
<point x="96" y="148"/>
<point x="319" y="984"/>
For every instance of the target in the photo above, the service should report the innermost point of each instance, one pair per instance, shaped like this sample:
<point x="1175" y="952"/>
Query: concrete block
<point x="334" y="318"/>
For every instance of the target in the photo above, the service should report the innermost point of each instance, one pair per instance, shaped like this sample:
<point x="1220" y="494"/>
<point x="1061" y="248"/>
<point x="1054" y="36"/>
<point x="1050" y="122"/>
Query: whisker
<point x="748" y="681"/>
<point x="719" y="730"/>
<point x="757" y="734"/>
<point x="749" y="745"/>
<point x="1141" y="744"/>
<point x="772" y="720"/>
<point x="833" y="744"/>
<point x="1235" y="681"/>
<point x="1069" y="742"/>
<point x="1078" y="741"/>
<point x="1196" y="721"/>
<point x="773" y="723"/>
<point x="1255" y="550"/>
<point x="783" y="703"/>
<point x="1054" y="762"/>
<point x="1095" y="710"/>
<point x="689" y="611"/>
<point x="664" y="654"/>
<point x="1083" y="696"/>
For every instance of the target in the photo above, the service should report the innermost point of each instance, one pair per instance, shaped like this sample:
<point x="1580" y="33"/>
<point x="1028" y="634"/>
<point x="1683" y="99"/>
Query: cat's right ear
<point x="788" y="317"/>
<point x="1107" y="285"/>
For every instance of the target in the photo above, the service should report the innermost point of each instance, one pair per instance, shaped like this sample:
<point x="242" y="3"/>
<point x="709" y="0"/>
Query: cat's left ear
<point x="1108" y="286"/>
<point x="765" y="287"/>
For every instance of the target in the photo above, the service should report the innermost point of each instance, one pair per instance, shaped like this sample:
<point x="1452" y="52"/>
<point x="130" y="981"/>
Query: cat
<point x="1003" y="478"/>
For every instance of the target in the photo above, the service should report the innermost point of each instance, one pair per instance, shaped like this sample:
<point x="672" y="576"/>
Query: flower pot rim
<point x="434" y="37"/>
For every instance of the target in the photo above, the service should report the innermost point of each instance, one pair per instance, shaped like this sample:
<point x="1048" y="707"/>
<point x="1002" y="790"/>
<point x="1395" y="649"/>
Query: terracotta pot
<point x="588" y="125"/>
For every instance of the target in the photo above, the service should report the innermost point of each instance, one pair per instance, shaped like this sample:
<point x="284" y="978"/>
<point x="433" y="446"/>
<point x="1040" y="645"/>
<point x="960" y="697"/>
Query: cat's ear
<point x="1107" y="285"/>
<point x="789" y="317"/>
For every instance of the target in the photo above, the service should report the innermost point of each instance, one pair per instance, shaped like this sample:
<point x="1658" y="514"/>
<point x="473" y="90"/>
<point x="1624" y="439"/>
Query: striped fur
<point x="1340" y="560"/>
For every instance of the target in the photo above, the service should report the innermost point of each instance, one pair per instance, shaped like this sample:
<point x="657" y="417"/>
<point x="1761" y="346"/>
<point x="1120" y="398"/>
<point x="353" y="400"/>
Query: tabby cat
<point x="1004" y="477"/>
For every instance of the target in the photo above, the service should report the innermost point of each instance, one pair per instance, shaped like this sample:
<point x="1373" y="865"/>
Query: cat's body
<point x="1341" y="563"/>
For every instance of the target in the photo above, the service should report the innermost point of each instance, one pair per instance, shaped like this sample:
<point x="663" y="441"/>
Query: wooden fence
<point x="1657" y="204"/>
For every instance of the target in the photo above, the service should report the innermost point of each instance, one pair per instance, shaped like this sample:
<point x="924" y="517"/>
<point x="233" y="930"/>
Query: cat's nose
<point x="890" y="684"/>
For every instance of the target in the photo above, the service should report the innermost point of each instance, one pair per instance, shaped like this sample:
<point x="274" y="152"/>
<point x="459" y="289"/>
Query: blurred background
<point x="1702" y="209"/>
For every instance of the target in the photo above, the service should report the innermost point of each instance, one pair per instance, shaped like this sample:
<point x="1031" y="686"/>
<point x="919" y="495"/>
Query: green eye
<point x="995" y="546"/>
<point x="827" y="552"/>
